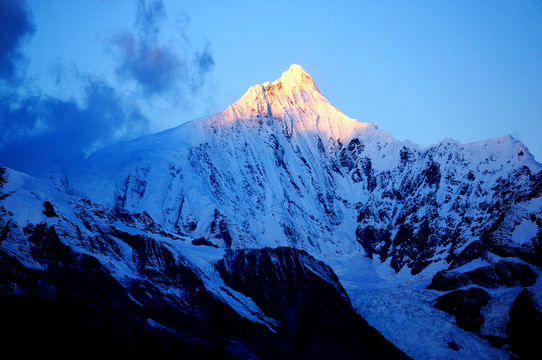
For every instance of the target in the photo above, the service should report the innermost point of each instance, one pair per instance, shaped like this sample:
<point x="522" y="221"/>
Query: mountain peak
<point x="295" y="76"/>
<point x="295" y="68"/>
<point x="292" y="102"/>
<point x="295" y="88"/>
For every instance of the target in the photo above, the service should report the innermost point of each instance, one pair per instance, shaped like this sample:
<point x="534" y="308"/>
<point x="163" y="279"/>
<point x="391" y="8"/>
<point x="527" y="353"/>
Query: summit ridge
<point x="296" y="76"/>
<point x="293" y="102"/>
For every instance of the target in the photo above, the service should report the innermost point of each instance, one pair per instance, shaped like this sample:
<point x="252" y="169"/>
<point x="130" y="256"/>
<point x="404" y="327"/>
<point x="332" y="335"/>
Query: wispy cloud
<point x="204" y="62"/>
<point x="149" y="16"/>
<point x="158" y="69"/>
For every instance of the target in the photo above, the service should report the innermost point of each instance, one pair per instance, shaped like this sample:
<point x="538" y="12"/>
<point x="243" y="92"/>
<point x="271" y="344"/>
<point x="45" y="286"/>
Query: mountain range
<point x="277" y="227"/>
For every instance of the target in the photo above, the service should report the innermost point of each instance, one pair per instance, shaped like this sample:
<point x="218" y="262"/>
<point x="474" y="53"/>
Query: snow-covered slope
<point x="78" y="276"/>
<point x="284" y="167"/>
<point x="256" y="159"/>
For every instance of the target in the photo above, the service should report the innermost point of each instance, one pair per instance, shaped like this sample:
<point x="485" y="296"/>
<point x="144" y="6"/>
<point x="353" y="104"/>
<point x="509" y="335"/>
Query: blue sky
<point x="78" y="75"/>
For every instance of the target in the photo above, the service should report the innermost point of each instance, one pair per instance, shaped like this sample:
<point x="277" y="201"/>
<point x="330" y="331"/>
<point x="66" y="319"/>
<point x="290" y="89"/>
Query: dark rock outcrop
<point x="76" y="307"/>
<point x="306" y="297"/>
<point x="502" y="273"/>
<point x="465" y="305"/>
<point x="49" y="209"/>
<point x="74" y="304"/>
<point x="524" y="329"/>
<point x="203" y="241"/>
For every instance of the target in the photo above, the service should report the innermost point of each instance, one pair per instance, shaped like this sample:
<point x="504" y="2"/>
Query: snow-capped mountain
<point x="276" y="199"/>
<point x="284" y="167"/>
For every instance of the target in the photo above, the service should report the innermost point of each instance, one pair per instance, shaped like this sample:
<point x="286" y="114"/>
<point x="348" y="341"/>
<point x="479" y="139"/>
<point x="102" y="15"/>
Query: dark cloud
<point x="42" y="132"/>
<point x="156" y="68"/>
<point x="39" y="133"/>
<point x="15" y="25"/>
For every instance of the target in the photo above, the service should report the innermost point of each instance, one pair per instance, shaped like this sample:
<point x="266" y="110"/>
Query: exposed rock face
<point x="74" y="303"/>
<point x="502" y="273"/>
<point x="465" y="305"/>
<point x="467" y="302"/>
<point x="525" y="326"/>
<point x="306" y="297"/>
